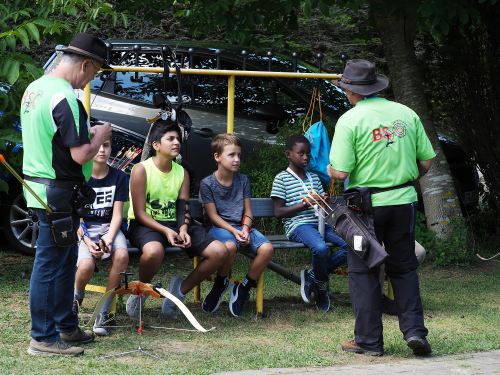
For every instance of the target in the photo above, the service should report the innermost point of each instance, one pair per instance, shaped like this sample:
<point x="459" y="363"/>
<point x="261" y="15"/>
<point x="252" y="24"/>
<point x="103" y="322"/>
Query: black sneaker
<point x="76" y="305"/>
<point x="321" y="296"/>
<point x="102" y="323"/>
<point x="212" y="300"/>
<point x="306" y="284"/>
<point x="238" y="299"/>
<point x="419" y="345"/>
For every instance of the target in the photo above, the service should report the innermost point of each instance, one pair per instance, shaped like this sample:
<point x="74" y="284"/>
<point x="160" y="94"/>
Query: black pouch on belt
<point x="84" y="200"/>
<point x="62" y="219"/>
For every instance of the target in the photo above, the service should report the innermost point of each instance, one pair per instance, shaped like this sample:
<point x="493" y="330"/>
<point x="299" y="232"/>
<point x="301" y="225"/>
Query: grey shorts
<point x="95" y="232"/>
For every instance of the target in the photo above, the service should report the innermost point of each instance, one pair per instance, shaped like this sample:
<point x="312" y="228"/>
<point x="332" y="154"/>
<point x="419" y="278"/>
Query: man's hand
<point x="336" y="175"/>
<point x="183" y="234"/>
<point x="103" y="130"/>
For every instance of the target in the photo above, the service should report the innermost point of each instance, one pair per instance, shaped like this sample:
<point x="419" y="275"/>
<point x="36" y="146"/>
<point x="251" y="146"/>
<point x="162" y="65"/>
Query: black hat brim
<point x="365" y="90"/>
<point x="86" y="54"/>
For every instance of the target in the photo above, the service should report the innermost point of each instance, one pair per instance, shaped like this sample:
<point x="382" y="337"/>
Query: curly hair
<point x="293" y="139"/>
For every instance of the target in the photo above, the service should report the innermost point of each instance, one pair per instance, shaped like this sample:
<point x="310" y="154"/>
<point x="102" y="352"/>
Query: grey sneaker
<point x="133" y="304"/>
<point x="212" y="300"/>
<point x="54" y="348"/>
<point x="78" y="336"/>
<point x="102" y="323"/>
<point x="306" y="284"/>
<point x="168" y="307"/>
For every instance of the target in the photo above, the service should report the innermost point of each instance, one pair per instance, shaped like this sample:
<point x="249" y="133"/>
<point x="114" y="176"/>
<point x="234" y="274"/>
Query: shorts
<point x="223" y="235"/>
<point x="139" y="235"/>
<point x="96" y="232"/>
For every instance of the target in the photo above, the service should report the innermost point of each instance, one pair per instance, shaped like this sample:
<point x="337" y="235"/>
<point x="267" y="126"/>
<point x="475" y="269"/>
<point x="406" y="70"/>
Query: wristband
<point x="249" y="227"/>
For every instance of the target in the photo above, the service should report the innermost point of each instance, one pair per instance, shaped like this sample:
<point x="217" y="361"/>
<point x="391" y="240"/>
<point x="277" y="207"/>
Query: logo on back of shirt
<point x="390" y="134"/>
<point x="30" y="100"/>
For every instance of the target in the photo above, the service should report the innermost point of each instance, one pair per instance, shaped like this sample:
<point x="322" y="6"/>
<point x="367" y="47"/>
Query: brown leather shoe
<point x="352" y="347"/>
<point x="78" y="336"/>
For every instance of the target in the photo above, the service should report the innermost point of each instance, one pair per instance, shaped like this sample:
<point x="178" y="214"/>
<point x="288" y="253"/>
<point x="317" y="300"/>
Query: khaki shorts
<point x="96" y="232"/>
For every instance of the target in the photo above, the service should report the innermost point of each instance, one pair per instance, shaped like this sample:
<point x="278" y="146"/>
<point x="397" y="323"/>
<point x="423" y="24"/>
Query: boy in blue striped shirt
<point x="300" y="220"/>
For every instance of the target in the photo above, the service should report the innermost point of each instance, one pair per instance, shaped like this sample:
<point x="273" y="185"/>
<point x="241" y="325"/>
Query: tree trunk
<point x="438" y="189"/>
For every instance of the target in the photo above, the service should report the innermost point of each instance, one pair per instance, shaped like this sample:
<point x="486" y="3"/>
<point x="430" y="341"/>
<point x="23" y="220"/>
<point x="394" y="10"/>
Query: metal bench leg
<point x="260" y="295"/>
<point x="196" y="289"/>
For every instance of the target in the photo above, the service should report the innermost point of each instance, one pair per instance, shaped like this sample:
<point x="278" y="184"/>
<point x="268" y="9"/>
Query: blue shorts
<point x="257" y="238"/>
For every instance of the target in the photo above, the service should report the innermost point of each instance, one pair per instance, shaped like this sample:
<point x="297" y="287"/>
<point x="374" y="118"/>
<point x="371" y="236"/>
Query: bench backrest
<point x="261" y="207"/>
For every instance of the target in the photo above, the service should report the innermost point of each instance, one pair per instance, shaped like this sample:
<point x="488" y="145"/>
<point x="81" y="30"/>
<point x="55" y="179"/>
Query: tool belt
<point x="68" y="201"/>
<point x="355" y="224"/>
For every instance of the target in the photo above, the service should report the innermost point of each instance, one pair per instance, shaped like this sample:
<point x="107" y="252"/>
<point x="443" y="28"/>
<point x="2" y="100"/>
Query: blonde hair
<point x="222" y="140"/>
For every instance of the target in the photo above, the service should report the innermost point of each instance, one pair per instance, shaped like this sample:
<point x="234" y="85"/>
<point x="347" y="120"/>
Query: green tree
<point x="25" y="22"/>
<point x="397" y="23"/>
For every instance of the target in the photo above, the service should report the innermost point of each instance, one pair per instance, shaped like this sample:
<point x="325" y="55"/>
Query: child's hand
<point x="106" y="244"/>
<point x="93" y="248"/>
<point x="241" y="237"/>
<point x="186" y="238"/>
<point x="315" y="199"/>
<point x="174" y="239"/>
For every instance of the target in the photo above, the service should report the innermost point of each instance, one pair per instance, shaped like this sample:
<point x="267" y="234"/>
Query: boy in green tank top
<point x="158" y="187"/>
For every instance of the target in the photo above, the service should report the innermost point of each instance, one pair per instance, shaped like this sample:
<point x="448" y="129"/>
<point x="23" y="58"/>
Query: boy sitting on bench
<point x="103" y="226"/>
<point x="225" y="196"/>
<point x="159" y="216"/>
<point x="301" y="222"/>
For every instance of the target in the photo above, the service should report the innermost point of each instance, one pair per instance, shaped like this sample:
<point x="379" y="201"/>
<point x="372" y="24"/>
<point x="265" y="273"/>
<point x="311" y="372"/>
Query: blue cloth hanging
<point x="320" y="151"/>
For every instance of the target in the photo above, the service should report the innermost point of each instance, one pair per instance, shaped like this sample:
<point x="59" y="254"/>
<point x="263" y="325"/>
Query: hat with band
<point x="89" y="46"/>
<point x="360" y="77"/>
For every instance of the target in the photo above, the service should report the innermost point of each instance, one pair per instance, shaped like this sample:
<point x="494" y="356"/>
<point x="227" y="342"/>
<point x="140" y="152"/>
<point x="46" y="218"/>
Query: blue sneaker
<point x="321" y="296"/>
<point x="238" y="299"/>
<point x="306" y="284"/>
<point x="212" y="300"/>
<point x="168" y="307"/>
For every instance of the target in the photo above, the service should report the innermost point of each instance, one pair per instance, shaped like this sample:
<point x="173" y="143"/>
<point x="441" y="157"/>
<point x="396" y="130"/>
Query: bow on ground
<point x="136" y="287"/>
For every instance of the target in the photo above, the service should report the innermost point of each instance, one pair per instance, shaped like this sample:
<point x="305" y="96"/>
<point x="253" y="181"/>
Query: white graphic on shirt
<point x="103" y="204"/>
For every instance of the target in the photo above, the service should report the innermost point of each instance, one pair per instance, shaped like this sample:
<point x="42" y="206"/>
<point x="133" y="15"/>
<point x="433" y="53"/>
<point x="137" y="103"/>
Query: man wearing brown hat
<point x="382" y="144"/>
<point x="58" y="156"/>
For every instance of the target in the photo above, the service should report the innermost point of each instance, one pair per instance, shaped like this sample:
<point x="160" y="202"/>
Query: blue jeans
<point x="52" y="285"/>
<point x="323" y="264"/>
<point x="224" y="236"/>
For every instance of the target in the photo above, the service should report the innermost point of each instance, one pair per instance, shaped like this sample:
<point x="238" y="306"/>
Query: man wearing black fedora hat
<point x="58" y="152"/>
<point x="382" y="145"/>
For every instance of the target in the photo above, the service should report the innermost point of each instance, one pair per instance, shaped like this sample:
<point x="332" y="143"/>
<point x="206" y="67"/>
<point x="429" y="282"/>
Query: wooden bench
<point x="261" y="208"/>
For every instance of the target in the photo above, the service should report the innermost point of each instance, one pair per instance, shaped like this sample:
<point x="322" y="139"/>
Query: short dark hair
<point x="295" y="138"/>
<point x="160" y="128"/>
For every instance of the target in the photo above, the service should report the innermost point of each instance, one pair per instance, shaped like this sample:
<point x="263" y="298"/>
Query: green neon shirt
<point x="53" y="120"/>
<point x="378" y="143"/>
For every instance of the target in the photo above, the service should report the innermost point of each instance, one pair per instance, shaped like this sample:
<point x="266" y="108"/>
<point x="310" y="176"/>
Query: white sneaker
<point x="133" y="304"/>
<point x="102" y="323"/>
<point x="168" y="307"/>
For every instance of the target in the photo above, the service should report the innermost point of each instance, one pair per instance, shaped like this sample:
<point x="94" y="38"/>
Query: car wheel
<point x="20" y="224"/>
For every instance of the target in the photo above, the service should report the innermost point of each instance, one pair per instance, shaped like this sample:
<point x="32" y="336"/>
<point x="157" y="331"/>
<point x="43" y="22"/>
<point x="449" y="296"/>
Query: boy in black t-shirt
<point x="106" y="241"/>
<point x="226" y="202"/>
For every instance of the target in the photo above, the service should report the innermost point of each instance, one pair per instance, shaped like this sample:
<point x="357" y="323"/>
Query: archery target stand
<point x="139" y="330"/>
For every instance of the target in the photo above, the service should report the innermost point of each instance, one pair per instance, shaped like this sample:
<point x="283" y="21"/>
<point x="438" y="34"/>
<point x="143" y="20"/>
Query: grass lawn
<point x="461" y="308"/>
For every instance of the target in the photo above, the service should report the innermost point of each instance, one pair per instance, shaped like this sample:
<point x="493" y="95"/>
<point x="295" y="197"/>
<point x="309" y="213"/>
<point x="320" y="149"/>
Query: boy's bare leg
<point x="120" y="262"/>
<point x="231" y="253"/>
<point x="150" y="262"/>
<point x="85" y="270"/>
<point x="259" y="264"/>
<point x="214" y="256"/>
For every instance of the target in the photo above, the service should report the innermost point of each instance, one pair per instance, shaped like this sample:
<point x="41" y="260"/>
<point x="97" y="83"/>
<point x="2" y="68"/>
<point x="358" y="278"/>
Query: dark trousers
<point x="395" y="227"/>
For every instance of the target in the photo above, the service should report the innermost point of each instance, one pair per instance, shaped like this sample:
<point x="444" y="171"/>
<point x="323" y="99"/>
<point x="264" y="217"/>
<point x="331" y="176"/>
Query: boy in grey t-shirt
<point x="225" y="196"/>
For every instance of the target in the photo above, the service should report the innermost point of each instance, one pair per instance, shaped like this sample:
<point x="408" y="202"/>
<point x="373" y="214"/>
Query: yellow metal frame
<point x="232" y="74"/>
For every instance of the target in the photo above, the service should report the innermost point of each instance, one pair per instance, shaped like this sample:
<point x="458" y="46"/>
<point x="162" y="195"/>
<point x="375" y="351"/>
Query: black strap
<point x="63" y="184"/>
<point x="381" y="190"/>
